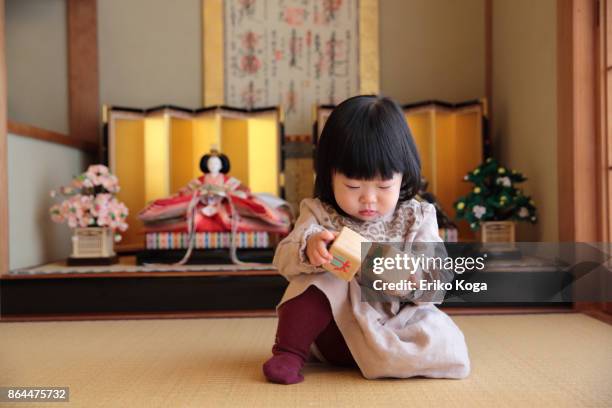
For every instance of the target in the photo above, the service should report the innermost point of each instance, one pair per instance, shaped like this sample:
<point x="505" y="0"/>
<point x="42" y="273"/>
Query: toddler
<point x="368" y="172"/>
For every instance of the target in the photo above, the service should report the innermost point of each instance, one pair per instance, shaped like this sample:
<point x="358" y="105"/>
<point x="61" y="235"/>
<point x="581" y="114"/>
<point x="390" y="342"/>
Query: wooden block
<point x="346" y="251"/>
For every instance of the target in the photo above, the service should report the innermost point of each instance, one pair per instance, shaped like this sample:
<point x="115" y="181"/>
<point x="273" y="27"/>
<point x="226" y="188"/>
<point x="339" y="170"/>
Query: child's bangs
<point x="364" y="138"/>
<point x="367" y="154"/>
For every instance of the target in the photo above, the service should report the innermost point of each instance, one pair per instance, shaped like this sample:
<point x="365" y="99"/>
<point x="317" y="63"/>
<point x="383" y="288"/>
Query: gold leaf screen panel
<point x="156" y="154"/>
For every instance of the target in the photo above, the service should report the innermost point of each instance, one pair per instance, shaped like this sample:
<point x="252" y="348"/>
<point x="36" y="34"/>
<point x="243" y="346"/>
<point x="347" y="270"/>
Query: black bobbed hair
<point x="225" y="163"/>
<point x="365" y="137"/>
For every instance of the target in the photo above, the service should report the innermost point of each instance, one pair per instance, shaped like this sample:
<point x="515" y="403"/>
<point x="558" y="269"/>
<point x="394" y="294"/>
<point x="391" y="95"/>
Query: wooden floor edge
<point x="599" y="315"/>
<point x="138" y="316"/>
<point x="259" y="313"/>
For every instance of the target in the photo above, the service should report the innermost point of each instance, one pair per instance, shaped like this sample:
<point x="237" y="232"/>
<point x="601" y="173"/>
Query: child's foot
<point x="284" y="368"/>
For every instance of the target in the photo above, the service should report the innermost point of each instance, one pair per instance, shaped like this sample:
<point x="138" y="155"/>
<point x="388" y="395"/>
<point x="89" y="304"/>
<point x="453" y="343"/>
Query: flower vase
<point x="92" y="246"/>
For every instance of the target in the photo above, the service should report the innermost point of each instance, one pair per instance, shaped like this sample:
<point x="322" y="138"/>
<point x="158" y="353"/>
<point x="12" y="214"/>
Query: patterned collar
<point x="390" y="228"/>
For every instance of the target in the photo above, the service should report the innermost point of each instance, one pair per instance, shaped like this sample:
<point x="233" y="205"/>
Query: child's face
<point x="366" y="200"/>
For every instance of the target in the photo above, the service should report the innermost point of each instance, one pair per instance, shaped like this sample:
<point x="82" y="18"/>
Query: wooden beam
<point x="580" y="172"/>
<point x="25" y="130"/>
<point x="605" y="122"/>
<point x="489" y="59"/>
<point x="576" y="123"/>
<point x="601" y="123"/>
<point x="565" y="120"/>
<point x="4" y="232"/>
<point x="604" y="95"/>
<point x="83" y="88"/>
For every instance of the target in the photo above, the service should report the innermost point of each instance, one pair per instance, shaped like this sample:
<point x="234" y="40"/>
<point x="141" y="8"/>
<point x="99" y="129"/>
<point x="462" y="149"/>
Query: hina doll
<point x="215" y="198"/>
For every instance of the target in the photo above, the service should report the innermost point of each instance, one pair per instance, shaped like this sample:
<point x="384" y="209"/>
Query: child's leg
<point x="300" y="321"/>
<point x="333" y="347"/>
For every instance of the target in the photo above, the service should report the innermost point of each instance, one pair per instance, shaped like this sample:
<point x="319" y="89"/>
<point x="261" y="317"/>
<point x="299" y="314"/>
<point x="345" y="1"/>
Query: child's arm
<point x="291" y="256"/>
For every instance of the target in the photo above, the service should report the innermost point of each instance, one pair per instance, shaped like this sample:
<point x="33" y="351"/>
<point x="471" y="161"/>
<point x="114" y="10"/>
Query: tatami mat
<point x="528" y="360"/>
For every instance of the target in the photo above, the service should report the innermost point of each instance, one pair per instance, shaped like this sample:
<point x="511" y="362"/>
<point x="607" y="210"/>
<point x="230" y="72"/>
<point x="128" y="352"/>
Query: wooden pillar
<point x="83" y="88"/>
<point x="4" y="231"/>
<point x="579" y="162"/>
<point x="576" y="122"/>
<point x="489" y="60"/>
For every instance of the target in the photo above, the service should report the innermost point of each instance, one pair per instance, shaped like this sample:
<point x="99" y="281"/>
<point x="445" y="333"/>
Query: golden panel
<point x="235" y="144"/>
<point x="420" y="126"/>
<point x="446" y="150"/>
<point x="263" y="156"/>
<point x="369" y="57"/>
<point x="212" y="53"/>
<point x="206" y="136"/>
<point x="181" y="150"/>
<point x="157" y="161"/>
<point x="468" y="130"/>
<point x="129" y="162"/>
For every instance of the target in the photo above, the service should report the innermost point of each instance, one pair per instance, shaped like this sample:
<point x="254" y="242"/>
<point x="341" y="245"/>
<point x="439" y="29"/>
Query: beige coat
<point x="384" y="339"/>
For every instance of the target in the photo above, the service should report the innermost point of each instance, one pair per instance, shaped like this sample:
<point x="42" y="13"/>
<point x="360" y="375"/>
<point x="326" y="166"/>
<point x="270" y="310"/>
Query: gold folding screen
<point x="450" y="144"/>
<point x="157" y="151"/>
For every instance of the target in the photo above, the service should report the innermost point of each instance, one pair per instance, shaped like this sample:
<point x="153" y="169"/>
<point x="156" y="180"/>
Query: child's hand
<point x="316" y="247"/>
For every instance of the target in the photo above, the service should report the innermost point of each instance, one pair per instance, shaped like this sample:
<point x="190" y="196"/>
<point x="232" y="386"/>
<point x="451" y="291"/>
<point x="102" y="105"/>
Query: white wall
<point x="36" y="59"/>
<point x="150" y="52"/>
<point x="432" y="49"/>
<point x="34" y="169"/>
<point x="525" y="103"/>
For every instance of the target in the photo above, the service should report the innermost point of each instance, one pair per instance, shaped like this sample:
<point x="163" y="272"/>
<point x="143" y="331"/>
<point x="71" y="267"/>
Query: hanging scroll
<point x="292" y="53"/>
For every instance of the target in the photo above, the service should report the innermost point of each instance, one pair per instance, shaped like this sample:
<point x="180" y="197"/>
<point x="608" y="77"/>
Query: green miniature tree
<point x="494" y="196"/>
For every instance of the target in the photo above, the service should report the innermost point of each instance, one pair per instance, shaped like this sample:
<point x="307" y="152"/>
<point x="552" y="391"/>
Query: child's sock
<point x="300" y="321"/>
<point x="284" y="368"/>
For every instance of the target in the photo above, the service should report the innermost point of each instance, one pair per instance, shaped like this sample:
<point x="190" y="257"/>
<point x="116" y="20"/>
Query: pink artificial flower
<point x="73" y="222"/>
<point x="104" y="220"/>
<point x="85" y="210"/>
<point x="98" y="170"/>
<point x="100" y="204"/>
<point x="88" y="183"/>
<point x="110" y="183"/>
<point x="96" y="174"/>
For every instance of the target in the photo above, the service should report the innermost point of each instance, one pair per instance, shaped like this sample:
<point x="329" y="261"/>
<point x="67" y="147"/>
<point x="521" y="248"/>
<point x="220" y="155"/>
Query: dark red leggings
<point x="308" y="318"/>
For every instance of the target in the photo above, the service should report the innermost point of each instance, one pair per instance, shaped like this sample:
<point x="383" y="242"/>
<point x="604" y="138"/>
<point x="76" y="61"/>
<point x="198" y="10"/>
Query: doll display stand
<point x="184" y="228"/>
<point x="205" y="256"/>
<point x="127" y="290"/>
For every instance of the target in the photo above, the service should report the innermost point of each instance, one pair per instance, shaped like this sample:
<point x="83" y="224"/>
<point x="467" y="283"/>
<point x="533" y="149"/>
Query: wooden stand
<point x="121" y="293"/>
<point x="498" y="231"/>
<point x="110" y="260"/>
<point x="498" y="238"/>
